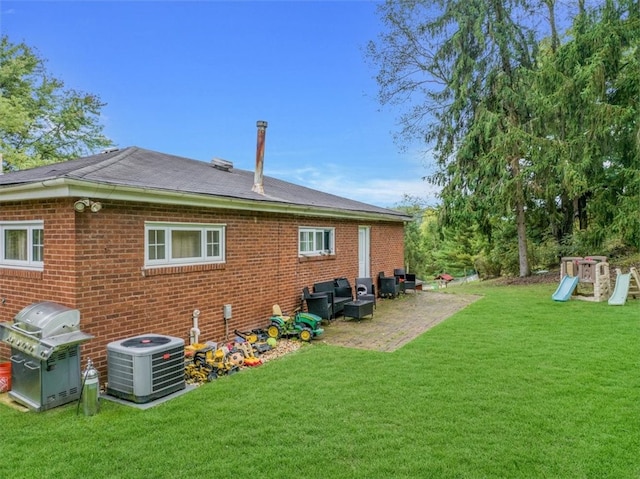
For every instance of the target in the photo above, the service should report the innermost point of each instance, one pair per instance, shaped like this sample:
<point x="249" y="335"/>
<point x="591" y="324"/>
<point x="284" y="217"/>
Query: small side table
<point x="358" y="309"/>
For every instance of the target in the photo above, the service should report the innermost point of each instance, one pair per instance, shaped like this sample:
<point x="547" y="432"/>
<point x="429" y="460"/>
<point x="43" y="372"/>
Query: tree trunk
<point x="522" y="241"/>
<point x="566" y="209"/>
<point x="520" y="219"/>
<point x="555" y="41"/>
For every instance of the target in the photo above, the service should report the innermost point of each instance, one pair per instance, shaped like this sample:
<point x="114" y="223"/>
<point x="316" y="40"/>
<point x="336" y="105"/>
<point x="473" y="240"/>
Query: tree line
<point x="533" y="124"/>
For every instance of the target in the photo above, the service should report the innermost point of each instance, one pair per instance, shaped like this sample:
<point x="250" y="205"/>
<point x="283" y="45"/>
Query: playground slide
<point x="621" y="290"/>
<point x="566" y="288"/>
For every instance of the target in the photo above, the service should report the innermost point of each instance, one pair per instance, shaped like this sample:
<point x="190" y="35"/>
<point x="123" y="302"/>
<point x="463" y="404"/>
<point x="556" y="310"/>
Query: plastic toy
<point x="627" y="284"/>
<point x="209" y="364"/>
<point x="592" y="271"/>
<point x="303" y="325"/>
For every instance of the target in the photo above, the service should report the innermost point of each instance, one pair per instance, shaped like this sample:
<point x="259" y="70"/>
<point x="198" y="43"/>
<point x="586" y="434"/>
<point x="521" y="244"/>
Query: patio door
<point x="364" y="252"/>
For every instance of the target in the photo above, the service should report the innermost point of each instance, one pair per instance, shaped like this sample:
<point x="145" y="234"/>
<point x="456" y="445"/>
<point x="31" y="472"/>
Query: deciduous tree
<point x="40" y="121"/>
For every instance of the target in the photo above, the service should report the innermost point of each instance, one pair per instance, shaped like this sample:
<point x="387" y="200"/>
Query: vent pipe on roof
<point x="258" y="186"/>
<point x="220" y="164"/>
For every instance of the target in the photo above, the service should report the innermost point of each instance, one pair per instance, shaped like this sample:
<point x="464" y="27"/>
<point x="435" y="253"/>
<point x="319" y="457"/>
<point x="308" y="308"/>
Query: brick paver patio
<point x="397" y="321"/>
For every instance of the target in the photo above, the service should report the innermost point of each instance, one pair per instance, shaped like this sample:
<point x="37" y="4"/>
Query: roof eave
<point x="72" y="188"/>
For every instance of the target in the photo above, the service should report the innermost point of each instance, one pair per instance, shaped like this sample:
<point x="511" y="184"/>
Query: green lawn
<point x="514" y="386"/>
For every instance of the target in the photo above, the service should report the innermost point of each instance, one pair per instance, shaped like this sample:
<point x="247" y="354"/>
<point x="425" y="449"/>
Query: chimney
<point x="258" y="187"/>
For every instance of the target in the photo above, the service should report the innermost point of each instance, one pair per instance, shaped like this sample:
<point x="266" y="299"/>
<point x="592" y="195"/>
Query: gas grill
<point x="45" y="360"/>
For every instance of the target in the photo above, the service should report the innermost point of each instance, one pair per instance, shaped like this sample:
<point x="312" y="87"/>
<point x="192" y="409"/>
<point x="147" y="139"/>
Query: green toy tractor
<point x="302" y="325"/>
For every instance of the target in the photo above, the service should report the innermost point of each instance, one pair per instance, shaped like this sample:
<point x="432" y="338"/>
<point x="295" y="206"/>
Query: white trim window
<point x="22" y="244"/>
<point x="316" y="241"/>
<point x="183" y="243"/>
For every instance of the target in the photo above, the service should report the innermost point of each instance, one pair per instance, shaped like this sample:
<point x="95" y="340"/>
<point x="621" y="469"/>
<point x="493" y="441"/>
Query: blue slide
<point x="566" y="288"/>
<point x="621" y="290"/>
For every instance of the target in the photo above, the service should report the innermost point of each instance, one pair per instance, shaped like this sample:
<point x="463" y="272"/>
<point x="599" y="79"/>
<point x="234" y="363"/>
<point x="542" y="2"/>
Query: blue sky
<point x="191" y="78"/>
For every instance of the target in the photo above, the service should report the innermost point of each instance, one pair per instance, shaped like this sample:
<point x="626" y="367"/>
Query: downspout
<point x="258" y="186"/>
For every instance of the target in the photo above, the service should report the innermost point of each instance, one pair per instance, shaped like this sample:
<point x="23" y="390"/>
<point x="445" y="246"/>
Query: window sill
<point x="320" y="257"/>
<point x="14" y="272"/>
<point x="180" y="269"/>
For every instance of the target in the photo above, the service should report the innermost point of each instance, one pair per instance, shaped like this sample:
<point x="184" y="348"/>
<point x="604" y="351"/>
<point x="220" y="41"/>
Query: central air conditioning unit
<point x="143" y="368"/>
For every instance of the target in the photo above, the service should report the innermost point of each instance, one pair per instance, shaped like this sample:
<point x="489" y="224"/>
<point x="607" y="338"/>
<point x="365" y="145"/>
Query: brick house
<point x="137" y="240"/>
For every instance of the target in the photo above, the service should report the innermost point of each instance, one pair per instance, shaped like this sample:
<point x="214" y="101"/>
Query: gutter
<point x="70" y="188"/>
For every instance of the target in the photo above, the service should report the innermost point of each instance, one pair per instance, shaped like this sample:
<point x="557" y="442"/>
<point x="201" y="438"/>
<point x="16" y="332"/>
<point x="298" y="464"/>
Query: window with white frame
<point x="183" y="243"/>
<point x="315" y="241"/>
<point x="22" y="244"/>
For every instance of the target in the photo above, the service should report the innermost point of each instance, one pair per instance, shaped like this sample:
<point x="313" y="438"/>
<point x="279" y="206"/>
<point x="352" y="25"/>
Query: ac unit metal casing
<point x="147" y="367"/>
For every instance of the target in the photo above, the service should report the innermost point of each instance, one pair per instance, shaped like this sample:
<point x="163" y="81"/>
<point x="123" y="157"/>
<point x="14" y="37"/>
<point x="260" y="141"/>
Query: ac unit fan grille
<point x="166" y="366"/>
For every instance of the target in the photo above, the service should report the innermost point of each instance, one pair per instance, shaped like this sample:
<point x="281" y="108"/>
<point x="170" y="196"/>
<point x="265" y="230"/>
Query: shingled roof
<point x="143" y="175"/>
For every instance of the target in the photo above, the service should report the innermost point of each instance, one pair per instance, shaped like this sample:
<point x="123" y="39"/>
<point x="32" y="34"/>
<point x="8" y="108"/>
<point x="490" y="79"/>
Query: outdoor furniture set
<point x="400" y="282"/>
<point x="329" y="299"/>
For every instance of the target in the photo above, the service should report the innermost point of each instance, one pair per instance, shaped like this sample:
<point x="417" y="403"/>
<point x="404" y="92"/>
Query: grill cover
<point x="46" y="319"/>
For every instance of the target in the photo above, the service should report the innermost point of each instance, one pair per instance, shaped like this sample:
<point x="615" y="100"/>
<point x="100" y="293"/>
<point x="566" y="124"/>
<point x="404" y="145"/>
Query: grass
<point x="513" y="386"/>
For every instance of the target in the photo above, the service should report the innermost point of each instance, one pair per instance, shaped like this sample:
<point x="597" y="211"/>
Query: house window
<point x="315" y="241"/>
<point x="22" y="244"/>
<point x="183" y="243"/>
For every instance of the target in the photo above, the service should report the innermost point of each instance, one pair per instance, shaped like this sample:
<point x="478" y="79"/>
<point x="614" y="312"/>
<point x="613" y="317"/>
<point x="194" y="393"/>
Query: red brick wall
<point x="94" y="262"/>
<point x="387" y="248"/>
<point x="18" y="288"/>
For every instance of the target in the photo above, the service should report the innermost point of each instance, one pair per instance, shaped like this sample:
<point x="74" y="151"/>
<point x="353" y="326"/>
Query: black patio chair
<point x="388" y="287"/>
<point x="366" y="290"/>
<point x="408" y="280"/>
<point x="318" y="304"/>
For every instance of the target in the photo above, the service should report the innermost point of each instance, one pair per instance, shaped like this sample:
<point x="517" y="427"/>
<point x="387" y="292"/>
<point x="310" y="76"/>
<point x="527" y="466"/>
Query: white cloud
<point x="379" y="192"/>
<point x="352" y="183"/>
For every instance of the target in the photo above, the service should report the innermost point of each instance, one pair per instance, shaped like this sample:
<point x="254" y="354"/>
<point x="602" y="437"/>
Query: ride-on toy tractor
<point x="303" y="325"/>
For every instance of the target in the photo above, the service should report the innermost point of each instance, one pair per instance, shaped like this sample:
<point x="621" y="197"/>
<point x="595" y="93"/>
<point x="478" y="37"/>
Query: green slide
<point x="621" y="290"/>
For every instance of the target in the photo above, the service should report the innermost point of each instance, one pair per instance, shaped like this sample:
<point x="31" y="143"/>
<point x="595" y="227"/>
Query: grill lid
<point x="45" y="319"/>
